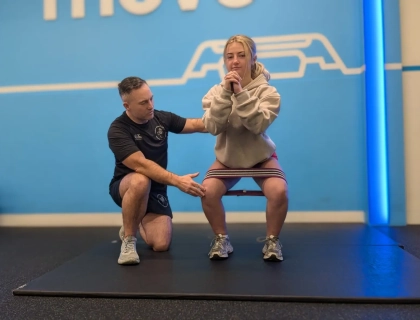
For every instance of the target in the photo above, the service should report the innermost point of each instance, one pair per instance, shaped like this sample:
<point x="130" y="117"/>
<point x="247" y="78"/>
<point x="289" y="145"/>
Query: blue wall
<point x="54" y="152"/>
<point x="395" y="115"/>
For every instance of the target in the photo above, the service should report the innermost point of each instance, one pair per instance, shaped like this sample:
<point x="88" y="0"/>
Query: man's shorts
<point x="158" y="200"/>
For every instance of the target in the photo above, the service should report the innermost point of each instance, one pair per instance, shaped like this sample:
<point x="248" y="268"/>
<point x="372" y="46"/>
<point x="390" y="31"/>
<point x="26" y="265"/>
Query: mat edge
<point x="382" y="300"/>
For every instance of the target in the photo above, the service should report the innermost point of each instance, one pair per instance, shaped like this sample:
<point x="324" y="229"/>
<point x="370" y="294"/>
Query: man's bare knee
<point x="161" y="246"/>
<point x="139" y="184"/>
<point x="157" y="230"/>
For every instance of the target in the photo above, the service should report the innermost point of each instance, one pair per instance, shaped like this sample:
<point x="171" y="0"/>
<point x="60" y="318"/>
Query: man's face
<point x="139" y="104"/>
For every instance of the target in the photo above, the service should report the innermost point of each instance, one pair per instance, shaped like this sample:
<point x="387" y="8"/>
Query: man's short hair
<point x="129" y="84"/>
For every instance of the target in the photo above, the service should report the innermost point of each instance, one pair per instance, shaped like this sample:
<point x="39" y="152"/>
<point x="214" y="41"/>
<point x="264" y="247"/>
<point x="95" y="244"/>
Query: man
<point x="138" y="139"/>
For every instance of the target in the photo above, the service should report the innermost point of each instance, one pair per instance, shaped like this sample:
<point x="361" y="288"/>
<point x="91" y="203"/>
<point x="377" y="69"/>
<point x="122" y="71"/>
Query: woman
<point x="238" y="111"/>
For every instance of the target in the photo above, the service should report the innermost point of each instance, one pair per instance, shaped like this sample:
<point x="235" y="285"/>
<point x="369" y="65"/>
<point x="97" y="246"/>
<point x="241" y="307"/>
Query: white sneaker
<point x="121" y="233"/>
<point x="272" y="249"/>
<point x="221" y="247"/>
<point x="128" y="253"/>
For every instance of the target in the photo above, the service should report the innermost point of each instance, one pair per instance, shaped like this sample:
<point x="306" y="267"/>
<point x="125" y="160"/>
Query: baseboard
<point x="114" y="219"/>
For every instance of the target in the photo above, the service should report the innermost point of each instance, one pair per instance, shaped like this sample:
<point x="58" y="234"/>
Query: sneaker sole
<point x="273" y="257"/>
<point x="128" y="262"/>
<point x="217" y="257"/>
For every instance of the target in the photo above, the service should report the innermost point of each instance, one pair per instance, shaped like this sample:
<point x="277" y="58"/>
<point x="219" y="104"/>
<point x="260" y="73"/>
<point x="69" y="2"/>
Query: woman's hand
<point x="232" y="79"/>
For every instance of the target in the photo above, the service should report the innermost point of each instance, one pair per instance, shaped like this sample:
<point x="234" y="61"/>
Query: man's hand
<point x="188" y="185"/>
<point x="140" y="164"/>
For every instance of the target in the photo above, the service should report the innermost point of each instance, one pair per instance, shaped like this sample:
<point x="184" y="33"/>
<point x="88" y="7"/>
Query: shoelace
<point x="273" y="243"/>
<point x="218" y="243"/>
<point x="129" y="246"/>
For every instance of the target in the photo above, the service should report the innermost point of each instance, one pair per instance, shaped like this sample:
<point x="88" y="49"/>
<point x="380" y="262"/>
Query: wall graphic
<point x="60" y="61"/>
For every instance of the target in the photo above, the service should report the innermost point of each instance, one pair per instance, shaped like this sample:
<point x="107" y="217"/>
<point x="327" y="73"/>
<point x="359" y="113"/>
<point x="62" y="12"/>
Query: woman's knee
<point x="215" y="189"/>
<point x="277" y="191"/>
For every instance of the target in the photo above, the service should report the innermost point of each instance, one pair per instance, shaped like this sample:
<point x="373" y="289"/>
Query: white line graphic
<point x="267" y="47"/>
<point x="393" y="66"/>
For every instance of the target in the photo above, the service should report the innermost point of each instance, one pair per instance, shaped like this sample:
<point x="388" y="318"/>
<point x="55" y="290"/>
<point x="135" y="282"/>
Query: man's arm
<point x="194" y="125"/>
<point x="140" y="164"/>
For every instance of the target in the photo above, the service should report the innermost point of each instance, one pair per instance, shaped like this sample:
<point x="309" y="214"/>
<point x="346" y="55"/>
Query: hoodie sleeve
<point x="217" y="104"/>
<point x="258" y="111"/>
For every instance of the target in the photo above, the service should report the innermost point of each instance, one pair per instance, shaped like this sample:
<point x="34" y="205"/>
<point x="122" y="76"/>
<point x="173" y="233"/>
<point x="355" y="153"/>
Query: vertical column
<point x="376" y="135"/>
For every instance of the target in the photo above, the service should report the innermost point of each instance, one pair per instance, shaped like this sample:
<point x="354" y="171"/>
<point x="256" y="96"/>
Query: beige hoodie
<point x="240" y="120"/>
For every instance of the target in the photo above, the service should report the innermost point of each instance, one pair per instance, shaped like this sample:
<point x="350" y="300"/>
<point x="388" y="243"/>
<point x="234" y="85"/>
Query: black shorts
<point x="158" y="199"/>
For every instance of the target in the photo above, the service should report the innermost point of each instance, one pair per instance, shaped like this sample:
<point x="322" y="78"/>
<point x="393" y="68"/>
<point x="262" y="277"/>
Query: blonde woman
<point x="238" y="111"/>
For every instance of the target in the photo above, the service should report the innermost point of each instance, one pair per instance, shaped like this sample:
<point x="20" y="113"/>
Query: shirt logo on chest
<point x="160" y="133"/>
<point x="138" y="137"/>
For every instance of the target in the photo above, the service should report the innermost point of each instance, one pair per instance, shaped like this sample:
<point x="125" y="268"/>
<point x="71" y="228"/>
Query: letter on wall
<point x="140" y="8"/>
<point x="235" y="3"/>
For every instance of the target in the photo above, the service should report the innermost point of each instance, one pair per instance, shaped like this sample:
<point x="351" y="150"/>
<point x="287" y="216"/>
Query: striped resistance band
<point x="245" y="173"/>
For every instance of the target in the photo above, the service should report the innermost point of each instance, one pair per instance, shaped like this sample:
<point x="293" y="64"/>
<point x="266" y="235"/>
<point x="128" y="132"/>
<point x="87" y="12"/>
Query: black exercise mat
<point x="326" y="263"/>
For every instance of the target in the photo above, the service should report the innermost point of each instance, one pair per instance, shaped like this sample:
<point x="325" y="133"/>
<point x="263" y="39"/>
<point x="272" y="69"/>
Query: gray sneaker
<point x="221" y="247"/>
<point x="272" y="249"/>
<point x="128" y="253"/>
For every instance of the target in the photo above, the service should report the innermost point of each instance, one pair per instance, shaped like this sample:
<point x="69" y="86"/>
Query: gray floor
<point x="27" y="253"/>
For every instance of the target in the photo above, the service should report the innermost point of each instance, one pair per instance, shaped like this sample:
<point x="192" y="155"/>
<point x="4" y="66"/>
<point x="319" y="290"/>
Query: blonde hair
<point x="257" y="68"/>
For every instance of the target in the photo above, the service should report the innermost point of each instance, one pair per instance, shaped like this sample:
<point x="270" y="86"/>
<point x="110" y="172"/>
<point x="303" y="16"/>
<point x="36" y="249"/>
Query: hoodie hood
<point x="258" y="81"/>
